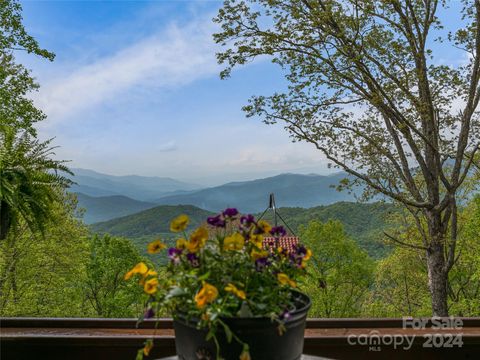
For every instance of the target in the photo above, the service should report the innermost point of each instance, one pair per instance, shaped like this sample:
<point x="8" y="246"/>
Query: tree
<point x="105" y="288"/>
<point x="464" y="285"/>
<point x="341" y="273"/>
<point x="401" y="286"/>
<point x="366" y="91"/>
<point x="28" y="175"/>
<point x="16" y="108"/>
<point x="30" y="182"/>
<point x="44" y="275"/>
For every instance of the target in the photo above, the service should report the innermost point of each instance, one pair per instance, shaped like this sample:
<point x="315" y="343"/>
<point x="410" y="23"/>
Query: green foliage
<point x="465" y="275"/>
<point x="363" y="222"/>
<point x="28" y="176"/>
<point x="66" y="274"/>
<point x="401" y="280"/>
<point x="400" y="287"/>
<point x="150" y="222"/>
<point x="30" y="182"/>
<point x="341" y="274"/>
<point x="12" y="32"/>
<point x="16" y="109"/>
<point x="43" y="275"/>
<point x="105" y="289"/>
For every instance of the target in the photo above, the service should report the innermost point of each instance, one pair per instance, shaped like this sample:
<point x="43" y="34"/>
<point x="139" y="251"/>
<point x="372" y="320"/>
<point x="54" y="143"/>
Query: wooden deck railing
<point x="91" y="339"/>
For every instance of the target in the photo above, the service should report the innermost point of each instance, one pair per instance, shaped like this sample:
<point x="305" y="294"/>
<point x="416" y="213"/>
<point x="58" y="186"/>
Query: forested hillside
<point x="363" y="222"/>
<point x="151" y="222"/>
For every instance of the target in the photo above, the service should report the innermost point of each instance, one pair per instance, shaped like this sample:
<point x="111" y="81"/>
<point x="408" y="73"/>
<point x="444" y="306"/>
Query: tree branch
<point x="417" y="247"/>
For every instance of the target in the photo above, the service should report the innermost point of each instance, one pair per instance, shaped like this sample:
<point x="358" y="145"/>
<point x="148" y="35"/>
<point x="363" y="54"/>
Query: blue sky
<point x="134" y="89"/>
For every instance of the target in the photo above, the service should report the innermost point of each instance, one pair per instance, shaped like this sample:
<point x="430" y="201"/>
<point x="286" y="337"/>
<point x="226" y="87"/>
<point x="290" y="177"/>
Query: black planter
<point x="261" y="334"/>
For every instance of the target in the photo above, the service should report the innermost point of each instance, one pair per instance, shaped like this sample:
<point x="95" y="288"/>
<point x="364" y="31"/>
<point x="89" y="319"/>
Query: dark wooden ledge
<point x="65" y="338"/>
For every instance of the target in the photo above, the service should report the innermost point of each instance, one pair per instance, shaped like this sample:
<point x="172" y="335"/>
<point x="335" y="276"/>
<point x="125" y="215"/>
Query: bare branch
<point x="394" y="239"/>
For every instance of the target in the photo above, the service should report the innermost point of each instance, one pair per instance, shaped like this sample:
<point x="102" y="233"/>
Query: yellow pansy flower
<point x="264" y="226"/>
<point x="207" y="294"/>
<point x="140" y="268"/>
<point x="308" y="255"/>
<point x="179" y="223"/>
<point x="181" y="244"/>
<point x="257" y="254"/>
<point x="285" y="280"/>
<point x="197" y="240"/>
<point x="151" y="286"/>
<point x="234" y="290"/>
<point x="257" y="240"/>
<point x="234" y="242"/>
<point x="147" y="274"/>
<point x="155" y="247"/>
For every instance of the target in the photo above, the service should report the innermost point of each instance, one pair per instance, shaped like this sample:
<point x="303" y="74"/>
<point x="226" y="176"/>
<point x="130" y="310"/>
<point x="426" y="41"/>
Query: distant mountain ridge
<point x="107" y="197"/>
<point x="291" y="190"/>
<point x="109" y="207"/>
<point x="141" y="188"/>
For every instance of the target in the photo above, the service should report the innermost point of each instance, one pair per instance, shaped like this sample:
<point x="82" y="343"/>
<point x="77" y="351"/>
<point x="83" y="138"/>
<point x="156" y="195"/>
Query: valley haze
<point x="106" y="197"/>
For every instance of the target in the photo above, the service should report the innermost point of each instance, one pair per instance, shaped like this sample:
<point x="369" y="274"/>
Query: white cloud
<point x="168" y="146"/>
<point x="174" y="57"/>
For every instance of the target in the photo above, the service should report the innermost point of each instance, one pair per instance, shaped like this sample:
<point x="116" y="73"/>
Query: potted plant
<point x="230" y="297"/>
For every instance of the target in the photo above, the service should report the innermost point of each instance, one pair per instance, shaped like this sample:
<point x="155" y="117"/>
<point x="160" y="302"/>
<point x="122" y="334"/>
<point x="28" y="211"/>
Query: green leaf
<point x="204" y="276"/>
<point x="245" y="310"/>
<point x="261" y="306"/>
<point x="174" y="292"/>
<point x="228" y="332"/>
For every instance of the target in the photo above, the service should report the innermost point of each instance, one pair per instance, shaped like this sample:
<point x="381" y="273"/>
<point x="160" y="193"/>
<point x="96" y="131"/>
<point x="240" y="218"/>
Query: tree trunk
<point x="437" y="278"/>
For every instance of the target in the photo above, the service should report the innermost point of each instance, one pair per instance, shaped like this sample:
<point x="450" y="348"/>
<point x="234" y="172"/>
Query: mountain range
<point x="143" y="188"/>
<point x="291" y="190"/>
<point x="106" y="197"/>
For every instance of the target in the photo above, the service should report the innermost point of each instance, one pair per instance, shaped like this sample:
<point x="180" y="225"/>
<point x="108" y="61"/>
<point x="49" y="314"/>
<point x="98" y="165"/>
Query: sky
<point x="135" y="89"/>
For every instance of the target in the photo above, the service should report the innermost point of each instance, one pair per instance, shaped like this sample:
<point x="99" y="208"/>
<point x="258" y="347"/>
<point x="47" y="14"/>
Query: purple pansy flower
<point x="247" y="220"/>
<point x="301" y="251"/>
<point x="174" y="255"/>
<point x="261" y="263"/>
<point x="278" y="231"/>
<point x="297" y="255"/>
<point x="295" y="259"/>
<point x="216" y="221"/>
<point x="230" y="212"/>
<point x="193" y="259"/>
<point x="149" y="313"/>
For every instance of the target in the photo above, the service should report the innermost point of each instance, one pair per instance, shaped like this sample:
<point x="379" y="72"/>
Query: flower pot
<point x="261" y="334"/>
